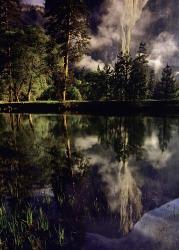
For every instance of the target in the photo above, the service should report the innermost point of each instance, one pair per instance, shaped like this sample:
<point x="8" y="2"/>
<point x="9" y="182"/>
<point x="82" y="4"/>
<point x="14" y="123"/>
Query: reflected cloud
<point x="154" y="154"/>
<point x="43" y="192"/>
<point x="121" y="190"/>
<point x="86" y="142"/>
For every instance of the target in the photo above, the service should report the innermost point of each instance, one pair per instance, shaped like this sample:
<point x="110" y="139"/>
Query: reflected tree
<point x="68" y="166"/>
<point x="165" y="129"/>
<point x="124" y="195"/>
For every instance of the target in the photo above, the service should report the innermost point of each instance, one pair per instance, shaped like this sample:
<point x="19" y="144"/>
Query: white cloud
<point x="118" y="16"/>
<point x="158" y="158"/>
<point x="163" y="48"/>
<point x="89" y="63"/>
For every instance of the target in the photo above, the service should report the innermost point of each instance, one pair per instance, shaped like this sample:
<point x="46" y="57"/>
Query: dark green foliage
<point x="151" y="84"/>
<point x="137" y="83"/>
<point x="22" y="55"/>
<point x="73" y="93"/>
<point x="66" y="22"/>
<point x="9" y="14"/>
<point x="104" y="84"/>
<point x="96" y="85"/>
<point x="130" y="79"/>
<point x="121" y="76"/>
<point x="164" y="132"/>
<point x="89" y="84"/>
<point x="166" y="88"/>
<point x="56" y="69"/>
<point x="32" y="64"/>
<point x="38" y="63"/>
<point x="27" y="73"/>
<point x="137" y="86"/>
<point x="9" y="25"/>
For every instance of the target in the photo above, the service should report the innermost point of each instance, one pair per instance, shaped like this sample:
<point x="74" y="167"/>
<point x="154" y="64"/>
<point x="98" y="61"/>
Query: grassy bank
<point x="93" y="107"/>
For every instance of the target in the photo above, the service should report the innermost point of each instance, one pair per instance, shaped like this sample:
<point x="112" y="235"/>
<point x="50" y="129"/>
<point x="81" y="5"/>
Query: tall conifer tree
<point x="67" y="24"/>
<point x="122" y="71"/>
<point x="9" y="21"/>
<point x="137" y="88"/>
<point x="166" y="88"/>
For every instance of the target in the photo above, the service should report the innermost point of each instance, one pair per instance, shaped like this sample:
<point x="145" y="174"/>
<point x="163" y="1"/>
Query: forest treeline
<point x="37" y="61"/>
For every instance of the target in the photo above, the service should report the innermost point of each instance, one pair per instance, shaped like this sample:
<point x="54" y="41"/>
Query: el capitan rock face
<point x="32" y="15"/>
<point x="165" y="11"/>
<point x="157" y="230"/>
<point x="164" y="14"/>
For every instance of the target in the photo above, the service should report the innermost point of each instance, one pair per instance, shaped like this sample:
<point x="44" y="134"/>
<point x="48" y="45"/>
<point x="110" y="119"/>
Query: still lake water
<point x="63" y="178"/>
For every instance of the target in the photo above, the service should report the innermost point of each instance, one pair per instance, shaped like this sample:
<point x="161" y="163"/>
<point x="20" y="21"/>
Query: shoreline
<point x="93" y="107"/>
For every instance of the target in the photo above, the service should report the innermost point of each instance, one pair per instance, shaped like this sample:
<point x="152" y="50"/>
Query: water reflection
<point x="123" y="195"/>
<point x="64" y="176"/>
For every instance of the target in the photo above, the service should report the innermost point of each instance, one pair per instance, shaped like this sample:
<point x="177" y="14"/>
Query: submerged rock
<point x="157" y="230"/>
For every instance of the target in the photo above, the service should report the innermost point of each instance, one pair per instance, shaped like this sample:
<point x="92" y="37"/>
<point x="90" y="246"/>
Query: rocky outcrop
<point x="157" y="230"/>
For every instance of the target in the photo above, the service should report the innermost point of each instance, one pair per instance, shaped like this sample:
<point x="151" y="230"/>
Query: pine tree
<point x="22" y="55"/>
<point x="151" y="84"/>
<point x="55" y="66"/>
<point x="30" y="71"/>
<point x="121" y="76"/>
<point x="166" y="88"/>
<point x="67" y="24"/>
<point x="104" y="82"/>
<point x="137" y="87"/>
<point x="142" y="50"/>
<point x="9" y="23"/>
<point x="9" y="14"/>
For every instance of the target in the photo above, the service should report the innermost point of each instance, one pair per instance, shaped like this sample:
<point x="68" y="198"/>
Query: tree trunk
<point x="29" y="96"/>
<point x="18" y="121"/>
<point x="10" y="74"/>
<point x="9" y="65"/>
<point x="16" y="93"/>
<point x="66" y="70"/>
<point x="10" y="91"/>
<point x="17" y="97"/>
<point x="29" y="90"/>
<point x="31" y="123"/>
<point x="12" y="121"/>
<point x="68" y="143"/>
<point x="66" y="57"/>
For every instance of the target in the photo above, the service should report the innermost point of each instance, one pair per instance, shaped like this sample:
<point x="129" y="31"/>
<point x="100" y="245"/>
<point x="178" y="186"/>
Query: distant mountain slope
<point x="32" y="14"/>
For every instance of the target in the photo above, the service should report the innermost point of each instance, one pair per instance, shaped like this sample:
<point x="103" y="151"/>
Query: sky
<point x="158" y="26"/>
<point x="35" y="2"/>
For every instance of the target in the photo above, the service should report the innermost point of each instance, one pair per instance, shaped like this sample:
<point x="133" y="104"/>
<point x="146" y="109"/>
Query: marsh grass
<point x="29" y="226"/>
<point x="61" y="236"/>
<point x="43" y="223"/>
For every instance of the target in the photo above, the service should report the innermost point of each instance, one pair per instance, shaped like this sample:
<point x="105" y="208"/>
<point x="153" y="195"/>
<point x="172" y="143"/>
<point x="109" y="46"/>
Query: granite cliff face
<point x="158" y="25"/>
<point x="32" y="14"/>
<point x="164" y="14"/>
